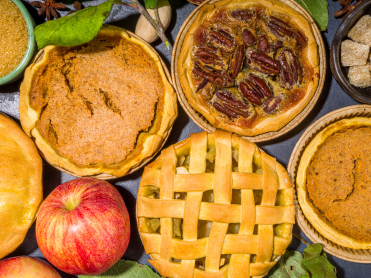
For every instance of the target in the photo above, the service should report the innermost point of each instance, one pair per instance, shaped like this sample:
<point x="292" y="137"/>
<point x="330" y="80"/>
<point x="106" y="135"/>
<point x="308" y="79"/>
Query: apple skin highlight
<point x="83" y="226"/>
<point x="24" y="266"/>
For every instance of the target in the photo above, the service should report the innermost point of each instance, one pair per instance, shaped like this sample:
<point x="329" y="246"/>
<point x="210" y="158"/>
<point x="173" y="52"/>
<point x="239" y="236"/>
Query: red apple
<point x="20" y="267"/>
<point x="83" y="226"/>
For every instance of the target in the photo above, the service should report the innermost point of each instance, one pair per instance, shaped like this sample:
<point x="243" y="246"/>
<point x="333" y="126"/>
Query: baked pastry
<point x="103" y="107"/>
<point x="334" y="183"/>
<point x="215" y="205"/>
<point x="20" y="185"/>
<point x="249" y="67"/>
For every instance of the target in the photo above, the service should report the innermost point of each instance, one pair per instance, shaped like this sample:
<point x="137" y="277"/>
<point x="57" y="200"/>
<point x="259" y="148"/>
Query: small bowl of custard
<point x="17" y="41"/>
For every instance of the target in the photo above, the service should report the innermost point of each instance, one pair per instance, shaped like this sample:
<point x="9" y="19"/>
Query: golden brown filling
<point x="96" y="98"/>
<point x="339" y="182"/>
<point x="250" y="63"/>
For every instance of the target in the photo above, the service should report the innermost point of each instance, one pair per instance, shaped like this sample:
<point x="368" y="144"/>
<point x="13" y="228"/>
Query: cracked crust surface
<point x="334" y="182"/>
<point x="98" y="104"/>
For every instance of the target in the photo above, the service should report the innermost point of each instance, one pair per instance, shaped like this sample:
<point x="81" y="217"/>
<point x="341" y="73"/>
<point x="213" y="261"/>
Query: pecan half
<point x="285" y="72"/>
<point x="224" y="110"/>
<point x="264" y="63"/>
<point x="202" y="85"/>
<point x="279" y="27"/>
<point x="248" y="37"/>
<point x="229" y="105"/>
<point x="272" y="104"/>
<point x="216" y="77"/>
<point x="291" y="71"/>
<point x="249" y="94"/>
<point x="261" y="85"/>
<point x="263" y="45"/>
<point x="278" y="45"/>
<point x="208" y="57"/>
<point x="301" y="40"/>
<point x="243" y="15"/>
<point x="221" y="37"/>
<point x="237" y="60"/>
<point x="230" y="99"/>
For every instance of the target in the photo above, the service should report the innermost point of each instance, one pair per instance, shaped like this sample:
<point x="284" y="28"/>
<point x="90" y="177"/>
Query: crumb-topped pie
<point x="334" y="182"/>
<point x="21" y="189"/>
<point x="102" y="107"/>
<point x="214" y="205"/>
<point x="249" y="67"/>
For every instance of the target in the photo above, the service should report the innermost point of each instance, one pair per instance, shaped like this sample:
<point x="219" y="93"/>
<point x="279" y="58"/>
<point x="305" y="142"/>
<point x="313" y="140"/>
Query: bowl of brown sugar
<point x="17" y="42"/>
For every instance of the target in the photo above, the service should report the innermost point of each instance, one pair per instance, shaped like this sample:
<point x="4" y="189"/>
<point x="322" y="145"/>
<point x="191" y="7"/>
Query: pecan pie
<point x="249" y="66"/>
<point x="214" y="205"/>
<point x="334" y="183"/>
<point x="102" y="107"/>
<point x="21" y="189"/>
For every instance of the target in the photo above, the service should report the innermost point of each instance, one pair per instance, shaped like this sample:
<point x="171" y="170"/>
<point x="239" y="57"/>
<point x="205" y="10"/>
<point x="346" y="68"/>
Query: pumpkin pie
<point x="100" y="108"/>
<point x="334" y="182"/>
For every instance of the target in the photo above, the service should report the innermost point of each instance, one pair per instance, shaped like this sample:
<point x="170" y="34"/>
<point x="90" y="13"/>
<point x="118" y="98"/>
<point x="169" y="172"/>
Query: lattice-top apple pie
<point x="214" y="205"/>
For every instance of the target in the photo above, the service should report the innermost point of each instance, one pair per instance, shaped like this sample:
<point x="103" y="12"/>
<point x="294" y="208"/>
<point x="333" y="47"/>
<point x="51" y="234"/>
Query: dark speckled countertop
<point x="332" y="98"/>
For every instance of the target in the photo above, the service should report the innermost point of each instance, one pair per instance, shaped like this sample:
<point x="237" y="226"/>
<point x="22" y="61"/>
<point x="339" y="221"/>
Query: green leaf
<point x="126" y="269"/>
<point x="75" y="29"/>
<point x="318" y="9"/>
<point x="289" y="266"/>
<point x="150" y="4"/>
<point x="316" y="264"/>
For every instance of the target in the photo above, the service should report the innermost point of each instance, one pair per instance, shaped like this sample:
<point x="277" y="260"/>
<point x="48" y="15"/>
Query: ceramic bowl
<point x="339" y="72"/>
<point x="31" y="48"/>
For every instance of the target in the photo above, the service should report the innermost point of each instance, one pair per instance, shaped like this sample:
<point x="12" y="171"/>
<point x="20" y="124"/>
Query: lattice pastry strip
<point x="213" y="206"/>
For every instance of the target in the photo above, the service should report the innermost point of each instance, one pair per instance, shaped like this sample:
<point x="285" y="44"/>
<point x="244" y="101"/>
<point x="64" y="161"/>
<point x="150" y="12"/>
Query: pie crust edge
<point x="35" y="188"/>
<point x="150" y="142"/>
<point x="274" y="123"/>
<point x="306" y="206"/>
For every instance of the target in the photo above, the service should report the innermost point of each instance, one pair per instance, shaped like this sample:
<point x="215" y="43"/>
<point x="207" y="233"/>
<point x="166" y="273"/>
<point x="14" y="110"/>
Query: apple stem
<point x="71" y="203"/>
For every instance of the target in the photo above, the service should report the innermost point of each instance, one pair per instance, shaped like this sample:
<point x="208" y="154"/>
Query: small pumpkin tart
<point x="334" y="182"/>
<point x="20" y="185"/>
<point x="248" y="67"/>
<point x="100" y="109"/>
<point x="214" y="205"/>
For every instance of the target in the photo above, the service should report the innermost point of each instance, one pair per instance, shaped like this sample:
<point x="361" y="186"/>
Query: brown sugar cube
<point x="360" y="76"/>
<point x="361" y="31"/>
<point x="353" y="53"/>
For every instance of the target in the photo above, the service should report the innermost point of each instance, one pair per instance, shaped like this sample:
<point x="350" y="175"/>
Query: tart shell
<point x="148" y="142"/>
<point x="318" y="223"/>
<point x="331" y="247"/>
<point x="270" y="127"/>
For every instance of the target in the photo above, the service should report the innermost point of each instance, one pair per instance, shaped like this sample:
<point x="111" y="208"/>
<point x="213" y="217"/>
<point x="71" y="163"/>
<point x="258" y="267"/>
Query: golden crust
<point x="196" y="166"/>
<point x="20" y="185"/>
<point x="268" y="123"/>
<point x="322" y="226"/>
<point x="147" y="143"/>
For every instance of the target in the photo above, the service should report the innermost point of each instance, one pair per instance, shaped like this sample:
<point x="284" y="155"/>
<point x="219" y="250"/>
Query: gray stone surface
<point x="332" y="98"/>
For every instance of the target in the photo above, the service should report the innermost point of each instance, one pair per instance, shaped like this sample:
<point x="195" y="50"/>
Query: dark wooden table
<point x="332" y="98"/>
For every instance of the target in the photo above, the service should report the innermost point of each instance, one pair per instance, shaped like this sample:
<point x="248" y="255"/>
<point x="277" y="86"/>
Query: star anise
<point x="78" y="7"/>
<point x="346" y="8"/>
<point x="48" y="7"/>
